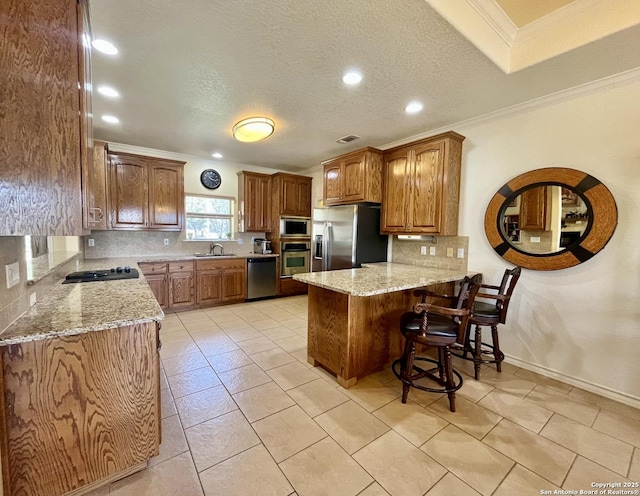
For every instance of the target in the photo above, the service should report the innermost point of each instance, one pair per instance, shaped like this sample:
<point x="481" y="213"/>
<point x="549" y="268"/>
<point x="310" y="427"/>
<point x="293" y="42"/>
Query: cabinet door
<point x="533" y="210"/>
<point x="166" y="196"/>
<point x="181" y="290"/>
<point x="425" y="204"/>
<point x="332" y="187"/>
<point x="257" y="202"/>
<point x="290" y="196"/>
<point x="96" y="188"/>
<point x="40" y="137"/>
<point x="396" y="192"/>
<point x="304" y="197"/>
<point x="209" y="286"/>
<point x="128" y="195"/>
<point x="353" y="179"/>
<point x="234" y="284"/>
<point x="158" y="285"/>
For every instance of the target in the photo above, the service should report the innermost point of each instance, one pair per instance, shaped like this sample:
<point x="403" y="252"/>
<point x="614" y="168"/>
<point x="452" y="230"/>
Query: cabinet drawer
<point x="148" y="268"/>
<point x="183" y="266"/>
<point x="239" y="263"/>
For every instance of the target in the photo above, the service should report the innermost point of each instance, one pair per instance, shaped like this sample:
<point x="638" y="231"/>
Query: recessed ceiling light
<point x="413" y="107"/>
<point x="108" y="91"/>
<point x="110" y="119"/>
<point x="105" y="46"/>
<point x="216" y="155"/>
<point x="352" y="78"/>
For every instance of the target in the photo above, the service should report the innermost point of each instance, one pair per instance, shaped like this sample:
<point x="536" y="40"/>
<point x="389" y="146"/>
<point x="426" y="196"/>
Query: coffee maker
<point x="261" y="245"/>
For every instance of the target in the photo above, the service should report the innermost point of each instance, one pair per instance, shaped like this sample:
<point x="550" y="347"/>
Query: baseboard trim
<point x="612" y="394"/>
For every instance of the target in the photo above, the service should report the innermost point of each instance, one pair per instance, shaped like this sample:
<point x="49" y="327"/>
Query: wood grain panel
<point x="426" y="180"/>
<point x="158" y="285"/>
<point x="396" y="192"/>
<point x="234" y="284"/>
<point x="181" y="289"/>
<point x="128" y="195"/>
<point x="451" y="185"/>
<point x="373" y="176"/>
<point x="328" y="328"/>
<point x="95" y="189"/>
<point x="181" y="266"/>
<point x="79" y="409"/>
<point x="209" y="286"/>
<point x="533" y="209"/>
<point x="353" y="183"/>
<point x="254" y="199"/>
<point x="40" y="175"/>
<point x="166" y="196"/>
<point x="332" y="185"/>
<point x="149" y="268"/>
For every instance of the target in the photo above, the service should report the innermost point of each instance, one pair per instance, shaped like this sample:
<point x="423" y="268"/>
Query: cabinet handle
<point x="92" y="212"/>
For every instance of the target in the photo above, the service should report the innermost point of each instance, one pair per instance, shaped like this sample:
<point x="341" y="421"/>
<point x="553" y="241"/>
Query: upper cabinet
<point x="291" y="194"/>
<point x="145" y="193"/>
<point x="421" y="186"/>
<point x="254" y="202"/>
<point x="95" y="188"/>
<point x="46" y="116"/>
<point x="354" y="177"/>
<point x="533" y="209"/>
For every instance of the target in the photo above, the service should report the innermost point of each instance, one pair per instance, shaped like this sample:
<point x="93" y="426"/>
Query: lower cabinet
<point x="290" y="287"/>
<point x="181" y="285"/>
<point x="221" y="281"/>
<point x="71" y="405"/>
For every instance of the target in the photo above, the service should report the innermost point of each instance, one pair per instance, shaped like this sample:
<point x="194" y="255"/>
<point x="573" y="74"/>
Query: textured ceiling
<point x="187" y="71"/>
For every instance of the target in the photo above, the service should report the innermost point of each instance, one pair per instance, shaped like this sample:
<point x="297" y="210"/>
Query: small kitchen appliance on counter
<point x="102" y="275"/>
<point x="261" y="245"/>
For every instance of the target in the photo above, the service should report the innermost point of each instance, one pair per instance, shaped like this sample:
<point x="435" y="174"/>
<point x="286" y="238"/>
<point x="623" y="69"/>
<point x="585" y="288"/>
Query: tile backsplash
<point x="409" y="252"/>
<point x="149" y="243"/>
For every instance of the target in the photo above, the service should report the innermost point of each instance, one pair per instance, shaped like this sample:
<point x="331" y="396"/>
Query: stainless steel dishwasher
<point x="261" y="277"/>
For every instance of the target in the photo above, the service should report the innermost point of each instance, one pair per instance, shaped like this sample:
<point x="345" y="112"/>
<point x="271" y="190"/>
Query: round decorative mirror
<point x="550" y="219"/>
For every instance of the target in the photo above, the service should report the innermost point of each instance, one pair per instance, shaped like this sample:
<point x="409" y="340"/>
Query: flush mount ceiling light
<point x="110" y="119"/>
<point x="253" y="129"/>
<point x="352" y="78"/>
<point x="413" y="107"/>
<point x="105" y="46"/>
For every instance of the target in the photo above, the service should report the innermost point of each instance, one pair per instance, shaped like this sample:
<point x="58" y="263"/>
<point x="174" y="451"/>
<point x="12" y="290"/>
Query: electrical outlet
<point x="91" y="242"/>
<point x="13" y="274"/>
<point x="32" y="299"/>
<point x="450" y="251"/>
<point x="423" y="250"/>
<point x="432" y="251"/>
<point x="460" y="253"/>
<point x="166" y="241"/>
<point x="534" y="239"/>
<point x="240" y="241"/>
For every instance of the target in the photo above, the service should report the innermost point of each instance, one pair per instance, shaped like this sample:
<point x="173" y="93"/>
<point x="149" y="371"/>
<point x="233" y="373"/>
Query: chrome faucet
<point x="213" y="246"/>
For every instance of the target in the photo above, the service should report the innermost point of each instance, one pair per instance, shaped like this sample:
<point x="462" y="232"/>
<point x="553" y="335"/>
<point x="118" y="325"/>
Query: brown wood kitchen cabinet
<point x="181" y="284"/>
<point x="156" y="275"/>
<point x="221" y="281"/>
<point x="79" y="411"/>
<point x="421" y="186"/>
<point x="533" y="209"/>
<point x="46" y="121"/>
<point x="254" y="202"/>
<point x="145" y="193"/>
<point x="291" y="195"/>
<point x="95" y="188"/>
<point x="353" y="177"/>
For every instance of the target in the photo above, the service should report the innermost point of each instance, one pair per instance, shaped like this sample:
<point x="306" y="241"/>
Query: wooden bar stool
<point x="489" y="314"/>
<point x="439" y="327"/>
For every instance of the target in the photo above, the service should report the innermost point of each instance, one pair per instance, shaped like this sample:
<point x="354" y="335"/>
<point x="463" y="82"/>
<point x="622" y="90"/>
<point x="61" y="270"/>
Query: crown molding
<point x="495" y="17"/>
<point x="605" y="84"/>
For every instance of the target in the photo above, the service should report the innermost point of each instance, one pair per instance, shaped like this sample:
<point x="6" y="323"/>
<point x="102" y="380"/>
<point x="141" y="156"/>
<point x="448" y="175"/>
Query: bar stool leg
<point x="478" y="354"/>
<point x="498" y="355"/>
<point x="407" y="366"/>
<point x="449" y="378"/>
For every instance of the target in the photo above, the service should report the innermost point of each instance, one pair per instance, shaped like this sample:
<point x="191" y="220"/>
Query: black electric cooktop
<point x="102" y="275"/>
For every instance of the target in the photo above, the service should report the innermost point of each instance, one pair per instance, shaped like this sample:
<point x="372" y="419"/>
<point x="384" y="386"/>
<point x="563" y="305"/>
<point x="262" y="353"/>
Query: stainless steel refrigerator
<point x="347" y="236"/>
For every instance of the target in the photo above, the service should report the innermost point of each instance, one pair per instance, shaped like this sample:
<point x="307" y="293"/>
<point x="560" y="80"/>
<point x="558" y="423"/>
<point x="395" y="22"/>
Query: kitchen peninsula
<point x="354" y="314"/>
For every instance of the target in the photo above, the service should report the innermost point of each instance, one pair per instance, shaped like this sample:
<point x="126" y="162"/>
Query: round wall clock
<point x="210" y="179"/>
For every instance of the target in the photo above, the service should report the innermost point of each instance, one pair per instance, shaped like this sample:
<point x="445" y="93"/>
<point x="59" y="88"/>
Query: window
<point x="209" y="217"/>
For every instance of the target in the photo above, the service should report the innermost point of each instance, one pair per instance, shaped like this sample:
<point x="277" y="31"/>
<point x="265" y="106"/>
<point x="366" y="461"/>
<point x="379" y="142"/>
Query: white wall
<point x="581" y="324"/>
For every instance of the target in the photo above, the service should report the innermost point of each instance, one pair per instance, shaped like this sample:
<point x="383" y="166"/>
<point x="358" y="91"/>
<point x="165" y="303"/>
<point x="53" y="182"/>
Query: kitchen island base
<point x="354" y="336"/>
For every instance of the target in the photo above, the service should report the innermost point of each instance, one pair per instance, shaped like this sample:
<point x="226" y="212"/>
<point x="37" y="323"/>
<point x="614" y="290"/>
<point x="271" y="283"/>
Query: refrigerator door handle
<point x="317" y="247"/>
<point x="325" y="246"/>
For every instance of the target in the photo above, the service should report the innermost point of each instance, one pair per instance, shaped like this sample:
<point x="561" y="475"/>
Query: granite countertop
<point x="174" y="258"/>
<point x="379" y="278"/>
<point x="69" y="309"/>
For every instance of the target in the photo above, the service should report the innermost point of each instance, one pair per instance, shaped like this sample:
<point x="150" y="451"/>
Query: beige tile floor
<point x="244" y="414"/>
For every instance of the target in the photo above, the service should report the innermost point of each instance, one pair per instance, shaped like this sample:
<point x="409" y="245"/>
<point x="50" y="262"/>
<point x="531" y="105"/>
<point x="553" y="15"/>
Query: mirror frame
<point x="601" y="226"/>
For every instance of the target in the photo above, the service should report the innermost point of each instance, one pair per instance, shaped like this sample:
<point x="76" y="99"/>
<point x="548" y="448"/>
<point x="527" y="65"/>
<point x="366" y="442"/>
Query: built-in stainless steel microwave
<point x="295" y="227"/>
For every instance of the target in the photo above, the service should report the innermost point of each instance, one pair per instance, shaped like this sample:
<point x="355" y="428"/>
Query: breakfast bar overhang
<point x="354" y="314"/>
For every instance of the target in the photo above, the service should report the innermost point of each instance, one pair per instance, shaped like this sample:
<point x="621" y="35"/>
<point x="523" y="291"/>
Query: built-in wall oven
<point x="295" y="227"/>
<point x="294" y="256"/>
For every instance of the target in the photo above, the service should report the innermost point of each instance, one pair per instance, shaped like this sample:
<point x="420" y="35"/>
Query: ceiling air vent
<point x="347" y="139"/>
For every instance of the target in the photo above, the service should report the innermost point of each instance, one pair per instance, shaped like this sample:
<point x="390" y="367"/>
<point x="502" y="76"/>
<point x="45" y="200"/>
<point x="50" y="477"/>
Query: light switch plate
<point x="460" y="253"/>
<point x="432" y="250"/>
<point x="166" y="241"/>
<point x="91" y="242"/>
<point x="450" y="251"/>
<point x="13" y="274"/>
<point x="423" y="250"/>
